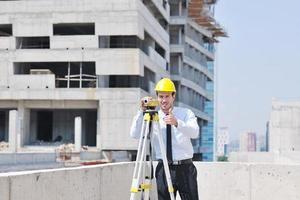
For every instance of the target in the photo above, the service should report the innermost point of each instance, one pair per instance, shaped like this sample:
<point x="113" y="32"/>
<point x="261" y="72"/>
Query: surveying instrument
<point x="142" y="174"/>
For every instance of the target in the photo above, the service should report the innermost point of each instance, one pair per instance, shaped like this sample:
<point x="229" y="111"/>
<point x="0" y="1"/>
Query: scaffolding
<point x="91" y="79"/>
<point x="200" y="12"/>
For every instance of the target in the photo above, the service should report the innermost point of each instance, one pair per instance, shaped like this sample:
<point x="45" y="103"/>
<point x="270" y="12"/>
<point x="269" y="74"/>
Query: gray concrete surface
<point x="217" y="181"/>
<point x="27" y="161"/>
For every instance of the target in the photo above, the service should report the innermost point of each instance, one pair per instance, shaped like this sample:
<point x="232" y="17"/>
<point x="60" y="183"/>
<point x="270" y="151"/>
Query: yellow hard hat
<point x="165" y="85"/>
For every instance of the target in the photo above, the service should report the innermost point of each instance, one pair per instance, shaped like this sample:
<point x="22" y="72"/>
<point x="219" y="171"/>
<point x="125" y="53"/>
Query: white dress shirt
<point x="187" y="128"/>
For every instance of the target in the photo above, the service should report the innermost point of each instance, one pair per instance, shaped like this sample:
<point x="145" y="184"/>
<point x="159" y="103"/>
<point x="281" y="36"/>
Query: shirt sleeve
<point x="136" y="126"/>
<point x="189" y="125"/>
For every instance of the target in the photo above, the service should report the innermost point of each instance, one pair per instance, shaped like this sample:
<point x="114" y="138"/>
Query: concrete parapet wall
<point x="248" y="181"/>
<point x="94" y="182"/>
<point x="217" y="181"/>
<point x="283" y="157"/>
<point x="32" y="81"/>
<point x="252" y="157"/>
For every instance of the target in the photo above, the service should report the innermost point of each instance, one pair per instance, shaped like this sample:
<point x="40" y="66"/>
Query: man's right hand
<point x="143" y="107"/>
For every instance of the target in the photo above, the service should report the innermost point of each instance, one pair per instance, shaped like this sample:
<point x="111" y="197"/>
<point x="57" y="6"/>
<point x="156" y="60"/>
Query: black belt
<point x="179" y="162"/>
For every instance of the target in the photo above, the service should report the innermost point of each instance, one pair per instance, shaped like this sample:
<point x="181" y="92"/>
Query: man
<point x="178" y="126"/>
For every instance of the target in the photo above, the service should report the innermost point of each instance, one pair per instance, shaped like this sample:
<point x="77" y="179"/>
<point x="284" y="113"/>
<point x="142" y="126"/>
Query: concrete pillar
<point x="98" y="137"/>
<point x="103" y="81"/>
<point x="180" y="8"/>
<point x="83" y="127"/>
<point x="180" y="61"/>
<point x="6" y="124"/>
<point x="69" y="69"/>
<point x="78" y="131"/>
<point x="80" y="75"/>
<point x="12" y="130"/>
<point x="26" y="128"/>
<point x="24" y="124"/>
<point x="180" y="35"/>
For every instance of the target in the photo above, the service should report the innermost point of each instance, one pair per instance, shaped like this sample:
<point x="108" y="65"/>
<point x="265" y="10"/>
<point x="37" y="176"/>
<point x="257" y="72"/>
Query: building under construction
<point x="73" y="71"/>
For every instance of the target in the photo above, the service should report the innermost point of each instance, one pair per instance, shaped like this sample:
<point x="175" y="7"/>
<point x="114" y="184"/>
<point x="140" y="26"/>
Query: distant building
<point x="282" y="137"/>
<point x="248" y="141"/>
<point x="284" y="126"/>
<point x="267" y="136"/>
<point x="233" y="146"/>
<point x="261" y="143"/>
<point x="222" y="141"/>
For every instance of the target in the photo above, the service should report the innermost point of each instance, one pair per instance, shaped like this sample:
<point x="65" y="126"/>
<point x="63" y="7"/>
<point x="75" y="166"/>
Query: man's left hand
<point x="170" y="119"/>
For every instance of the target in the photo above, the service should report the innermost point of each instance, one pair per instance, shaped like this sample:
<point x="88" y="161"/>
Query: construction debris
<point x="85" y="148"/>
<point x="64" y="151"/>
<point x="3" y="146"/>
<point x="94" y="162"/>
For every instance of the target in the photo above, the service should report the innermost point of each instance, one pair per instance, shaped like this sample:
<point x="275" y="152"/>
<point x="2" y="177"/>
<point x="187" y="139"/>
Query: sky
<point x="260" y="60"/>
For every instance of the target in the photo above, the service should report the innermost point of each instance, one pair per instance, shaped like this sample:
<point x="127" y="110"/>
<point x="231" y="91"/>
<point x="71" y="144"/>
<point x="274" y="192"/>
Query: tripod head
<point x="150" y="115"/>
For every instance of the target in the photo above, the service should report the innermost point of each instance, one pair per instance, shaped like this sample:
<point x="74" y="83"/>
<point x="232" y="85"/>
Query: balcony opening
<point x="67" y="74"/>
<point x="148" y="80"/>
<point x="4" y="118"/>
<point x="160" y="50"/>
<point x="44" y="126"/>
<point x="130" y="81"/>
<point x="208" y="44"/>
<point x="55" y="127"/>
<point x="174" y="8"/>
<point x="174" y="35"/>
<point x="175" y="64"/>
<point x="148" y="46"/>
<point x="177" y="87"/>
<point x="147" y="43"/>
<point x="32" y="43"/>
<point x="196" y="55"/>
<point x="130" y="41"/>
<point x="124" y="81"/>
<point x="192" y="98"/>
<point x="74" y="29"/>
<point x="5" y="30"/>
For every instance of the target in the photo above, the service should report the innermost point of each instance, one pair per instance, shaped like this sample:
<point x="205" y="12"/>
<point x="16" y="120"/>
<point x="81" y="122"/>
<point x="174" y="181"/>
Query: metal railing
<point x="91" y="79"/>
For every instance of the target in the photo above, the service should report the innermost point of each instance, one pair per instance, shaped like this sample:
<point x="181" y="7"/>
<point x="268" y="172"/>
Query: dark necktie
<point x="169" y="143"/>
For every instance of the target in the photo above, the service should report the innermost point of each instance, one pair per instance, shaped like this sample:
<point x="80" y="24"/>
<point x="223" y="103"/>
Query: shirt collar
<point x="160" y="112"/>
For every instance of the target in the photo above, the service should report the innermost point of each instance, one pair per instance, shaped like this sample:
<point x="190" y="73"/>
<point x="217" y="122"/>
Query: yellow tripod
<point x="141" y="176"/>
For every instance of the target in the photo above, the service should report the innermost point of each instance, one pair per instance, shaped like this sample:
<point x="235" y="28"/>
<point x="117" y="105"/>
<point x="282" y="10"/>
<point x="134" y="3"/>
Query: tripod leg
<point x="147" y="168"/>
<point x="165" y="162"/>
<point x="138" y="157"/>
<point x="139" y="162"/>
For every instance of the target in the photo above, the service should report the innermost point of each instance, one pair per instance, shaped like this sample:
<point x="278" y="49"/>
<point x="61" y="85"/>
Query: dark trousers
<point x="184" y="180"/>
